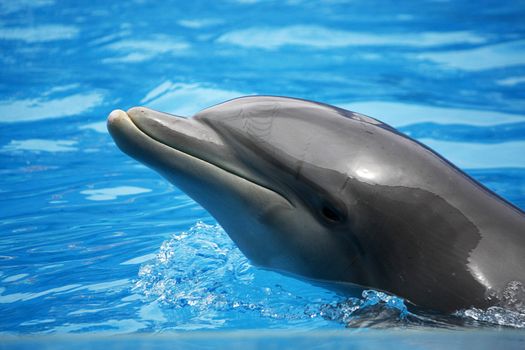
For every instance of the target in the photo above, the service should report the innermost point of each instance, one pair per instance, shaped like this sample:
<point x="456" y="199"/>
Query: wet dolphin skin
<point x="331" y="195"/>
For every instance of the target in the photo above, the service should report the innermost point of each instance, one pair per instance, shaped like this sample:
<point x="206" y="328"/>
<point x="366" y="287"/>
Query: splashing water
<point x="202" y="272"/>
<point x="373" y="309"/>
<point x="495" y="315"/>
<point x="200" y="278"/>
<point x="511" y="313"/>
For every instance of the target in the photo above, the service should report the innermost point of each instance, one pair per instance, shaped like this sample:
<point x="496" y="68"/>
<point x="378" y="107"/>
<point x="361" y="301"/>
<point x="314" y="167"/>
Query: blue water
<point x="92" y="241"/>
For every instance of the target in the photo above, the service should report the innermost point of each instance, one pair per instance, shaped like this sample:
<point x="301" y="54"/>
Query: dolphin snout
<point x="183" y="134"/>
<point x="115" y="116"/>
<point x="157" y="124"/>
<point x="139" y="114"/>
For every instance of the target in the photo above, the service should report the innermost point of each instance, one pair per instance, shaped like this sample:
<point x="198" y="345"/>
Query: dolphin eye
<point x="330" y="214"/>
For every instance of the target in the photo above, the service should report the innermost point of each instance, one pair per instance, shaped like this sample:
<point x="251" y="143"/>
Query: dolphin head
<point x="261" y="167"/>
<point x="328" y="194"/>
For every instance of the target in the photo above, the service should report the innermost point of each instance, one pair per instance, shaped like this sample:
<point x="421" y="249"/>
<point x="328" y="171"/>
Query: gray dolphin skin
<point x="330" y="195"/>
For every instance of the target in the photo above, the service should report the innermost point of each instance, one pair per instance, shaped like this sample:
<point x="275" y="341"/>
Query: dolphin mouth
<point x="177" y="133"/>
<point x="124" y="126"/>
<point x="145" y="131"/>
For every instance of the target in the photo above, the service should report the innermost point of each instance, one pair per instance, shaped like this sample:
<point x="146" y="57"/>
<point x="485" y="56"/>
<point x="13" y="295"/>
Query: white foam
<point x="15" y="278"/>
<point x="133" y="57"/>
<point x="511" y="81"/>
<point x="87" y="311"/>
<point x="41" y="33"/>
<point x="96" y="126"/>
<point x="199" y="23"/>
<point x="322" y="37"/>
<point x="186" y="99"/>
<point x="139" y="260"/>
<point x="143" y="50"/>
<point x="11" y="6"/>
<point x="108" y="327"/>
<point x="37" y="109"/>
<point x="487" y="57"/>
<point x="37" y="322"/>
<point x="110" y="193"/>
<point x="158" y="45"/>
<point x="60" y="88"/>
<point x="40" y="145"/>
<point x="402" y="114"/>
<point x="11" y="298"/>
<point x="106" y="39"/>
<point x="159" y="90"/>
<point x="479" y="155"/>
<point x="107" y="285"/>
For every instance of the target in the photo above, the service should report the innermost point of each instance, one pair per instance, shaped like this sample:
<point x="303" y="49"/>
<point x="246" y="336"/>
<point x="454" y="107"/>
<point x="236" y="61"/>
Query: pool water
<point x="93" y="242"/>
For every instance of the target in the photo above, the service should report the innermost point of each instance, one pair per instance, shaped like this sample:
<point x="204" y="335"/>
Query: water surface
<point x="92" y="241"/>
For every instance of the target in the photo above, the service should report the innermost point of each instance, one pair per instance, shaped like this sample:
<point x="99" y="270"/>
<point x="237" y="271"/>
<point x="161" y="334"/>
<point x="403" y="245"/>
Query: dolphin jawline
<point x="119" y="120"/>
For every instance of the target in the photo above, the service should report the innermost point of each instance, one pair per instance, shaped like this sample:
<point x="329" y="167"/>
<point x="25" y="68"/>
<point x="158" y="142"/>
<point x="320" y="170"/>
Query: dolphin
<point x="331" y="195"/>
